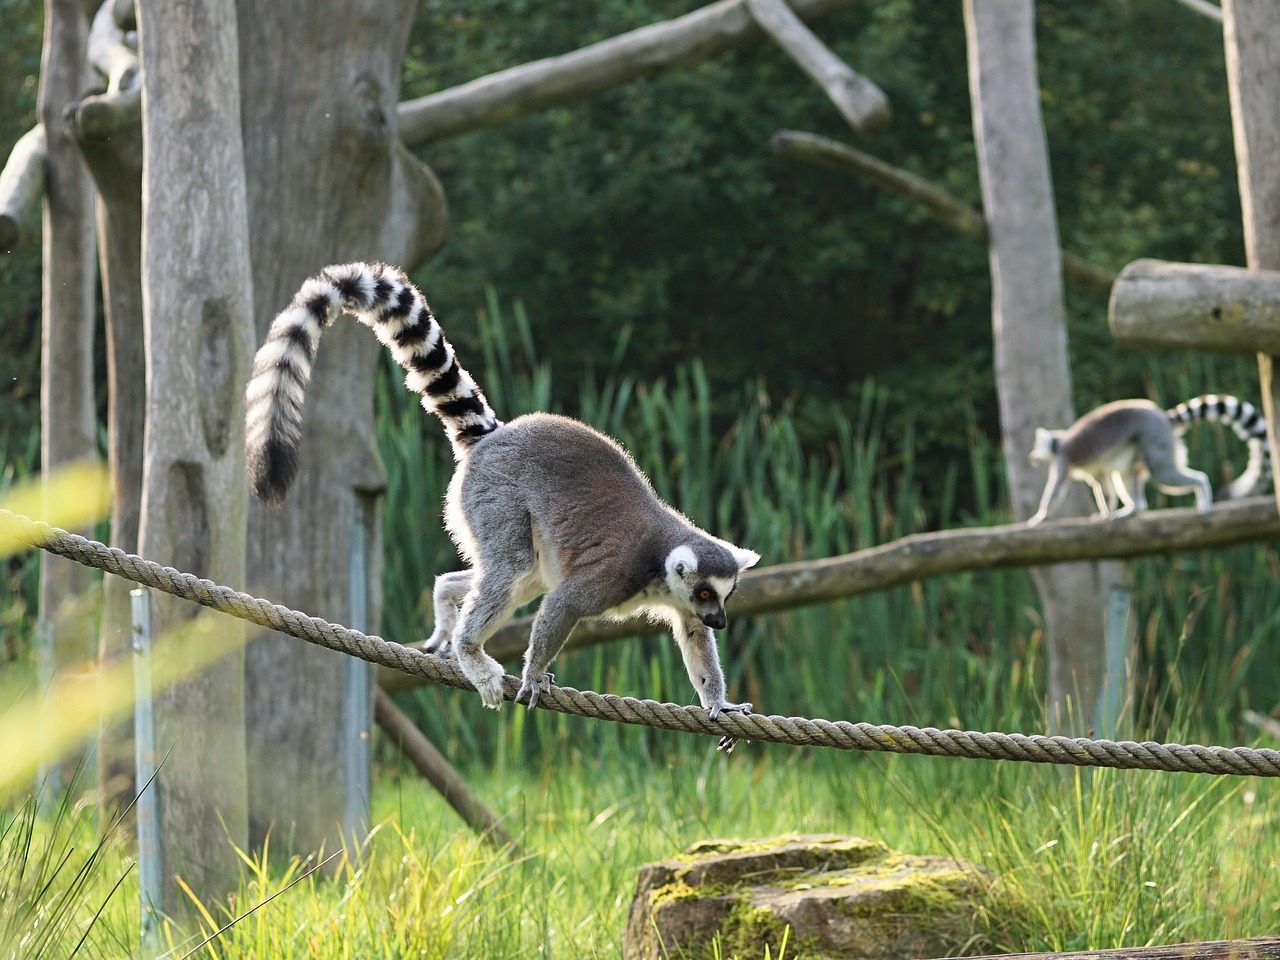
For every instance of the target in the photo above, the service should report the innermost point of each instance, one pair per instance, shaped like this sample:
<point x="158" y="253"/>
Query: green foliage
<point x="1078" y="859"/>
<point x="57" y="875"/>
<point x="657" y="211"/>
<point x="964" y="650"/>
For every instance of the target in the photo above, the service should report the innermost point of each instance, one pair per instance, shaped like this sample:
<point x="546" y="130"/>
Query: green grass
<point x="1080" y="859"/>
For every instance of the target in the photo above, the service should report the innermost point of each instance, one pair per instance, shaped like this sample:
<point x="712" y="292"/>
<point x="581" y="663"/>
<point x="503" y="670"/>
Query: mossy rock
<point x="841" y="897"/>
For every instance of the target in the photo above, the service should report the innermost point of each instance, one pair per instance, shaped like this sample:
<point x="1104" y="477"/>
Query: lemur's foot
<point x="715" y="711"/>
<point x="1035" y="519"/>
<point x="485" y="675"/>
<point x="726" y="744"/>
<point x="440" y="644"/>
<point x="535" y="687"/>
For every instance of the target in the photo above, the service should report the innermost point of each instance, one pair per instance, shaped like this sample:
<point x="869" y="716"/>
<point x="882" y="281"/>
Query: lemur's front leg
<point x="698" y="648"/>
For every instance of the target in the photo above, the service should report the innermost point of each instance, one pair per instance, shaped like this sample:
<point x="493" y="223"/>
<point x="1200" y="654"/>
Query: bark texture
<point x="21" y="184"/>
<point x="1030" y="339"/>
<point x="1251" y="35"/>
<point x="328" y="182"/>
<point x="863" y="105"/>
<point x="198" y="317"/>
<point x="1193" y="306"/>
<point x="68" y="429"/>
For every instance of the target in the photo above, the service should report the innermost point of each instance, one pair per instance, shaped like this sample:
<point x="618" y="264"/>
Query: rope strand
<point x="794" y="731"/>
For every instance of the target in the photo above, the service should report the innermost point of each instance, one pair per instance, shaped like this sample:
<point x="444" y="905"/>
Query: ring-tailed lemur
<point x="1129" y="441"/>
<point x="541" y="505"/>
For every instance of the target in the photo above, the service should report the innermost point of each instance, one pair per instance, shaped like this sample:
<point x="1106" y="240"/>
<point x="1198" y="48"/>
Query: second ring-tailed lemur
<point x="1129" y="441"/>
<point x="541" y="505"/>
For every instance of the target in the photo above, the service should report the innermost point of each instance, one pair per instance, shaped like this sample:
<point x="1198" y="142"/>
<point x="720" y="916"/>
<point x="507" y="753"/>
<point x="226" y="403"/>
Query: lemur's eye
<point x="704" y="594"/>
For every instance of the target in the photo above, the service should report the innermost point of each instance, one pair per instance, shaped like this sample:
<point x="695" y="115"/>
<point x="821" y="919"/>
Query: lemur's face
<point x="1043" y="450"/>
<point x="701" y="594"/>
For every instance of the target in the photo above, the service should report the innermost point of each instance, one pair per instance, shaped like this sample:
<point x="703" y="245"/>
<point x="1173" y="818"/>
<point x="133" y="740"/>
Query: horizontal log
<point x="498" y="97"/>
<point x="1255" y="948"/>
<point x="860" y="102"/>
<point x="21" y="184"/>
<point x="959" y="216"/>
<point x="924" y="555"/>
<point x="1193" y="306"/>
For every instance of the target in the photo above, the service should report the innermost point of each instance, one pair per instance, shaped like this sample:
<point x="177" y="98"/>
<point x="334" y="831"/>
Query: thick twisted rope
<point x="796" y="731"/>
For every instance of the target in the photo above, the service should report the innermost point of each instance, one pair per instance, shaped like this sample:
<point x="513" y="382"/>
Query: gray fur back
<point x="1112" y="425"/>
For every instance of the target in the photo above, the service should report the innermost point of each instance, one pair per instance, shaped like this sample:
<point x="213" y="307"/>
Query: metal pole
<point x="1115" y="667"/>
<point x="150" y="853"/>
<point x="355" y="818"/>
<point x="49" y="782"/>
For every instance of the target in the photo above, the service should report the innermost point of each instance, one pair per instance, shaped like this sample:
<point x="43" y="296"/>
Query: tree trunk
<point x="68" y="431"/>
<point x="328" y="182"/>
<point x="116" y="164"/>
<point x="1251" y="35"/>
<point x="199" y="338"/>
<point x="1032" y="377"/>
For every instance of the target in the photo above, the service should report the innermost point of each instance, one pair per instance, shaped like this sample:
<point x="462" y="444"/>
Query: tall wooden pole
<point x="198" y="318"/>
<point x="1033" y="381"/>
<point x="1251" y="36"/>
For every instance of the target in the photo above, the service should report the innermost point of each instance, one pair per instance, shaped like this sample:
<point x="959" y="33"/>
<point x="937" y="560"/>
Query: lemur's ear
<point x="681" y="561"/>
<point x="746" y="559"/>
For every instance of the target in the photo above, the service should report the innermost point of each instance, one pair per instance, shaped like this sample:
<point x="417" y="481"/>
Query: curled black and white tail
<point x="1249" y="425"/>
<point x="382" y="298"/>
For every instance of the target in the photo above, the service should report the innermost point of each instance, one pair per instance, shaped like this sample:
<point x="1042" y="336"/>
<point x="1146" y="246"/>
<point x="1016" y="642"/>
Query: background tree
<point x="199" y="332"/>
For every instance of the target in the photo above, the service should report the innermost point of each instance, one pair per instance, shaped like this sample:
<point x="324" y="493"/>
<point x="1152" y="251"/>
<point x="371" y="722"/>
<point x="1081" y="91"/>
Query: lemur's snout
<point x="714" y="620"/>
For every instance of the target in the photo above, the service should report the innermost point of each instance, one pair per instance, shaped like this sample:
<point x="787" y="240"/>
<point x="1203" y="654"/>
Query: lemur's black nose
<point x="714" y="620"/>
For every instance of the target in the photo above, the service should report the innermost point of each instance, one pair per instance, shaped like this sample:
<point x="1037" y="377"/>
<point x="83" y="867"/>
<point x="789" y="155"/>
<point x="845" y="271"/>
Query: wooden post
<point x="68" y="429"/>
<point x="199" y="330"/>
<point x="1033" y="382"/>
<point x="1192" y="306"/>
<point x="1251" y="36"/>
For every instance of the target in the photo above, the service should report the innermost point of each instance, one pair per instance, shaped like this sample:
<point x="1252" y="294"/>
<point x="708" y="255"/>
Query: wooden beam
<point x="507" y="94"/>
<point x="924" y="555"/>
<point x="21" y="184"/>
<point x="1191" y="306"/>
<point x="1251" y="39"/>
<point x="1256" y="948"/>
<point x="860" y="102"/>
<point x="959" y="216"/>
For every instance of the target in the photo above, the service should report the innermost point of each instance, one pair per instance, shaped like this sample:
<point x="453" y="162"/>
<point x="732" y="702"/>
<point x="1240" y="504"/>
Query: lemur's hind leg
<point x="1170" y="475"/>
<point x="1102" y="494"/>
<point x="446" y="599"/>
<point x="488" y="605"/>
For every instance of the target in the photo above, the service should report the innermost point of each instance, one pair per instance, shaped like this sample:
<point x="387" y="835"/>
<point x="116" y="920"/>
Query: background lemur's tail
<point x="382" y="298"/>
<point x="1249" y="425"/>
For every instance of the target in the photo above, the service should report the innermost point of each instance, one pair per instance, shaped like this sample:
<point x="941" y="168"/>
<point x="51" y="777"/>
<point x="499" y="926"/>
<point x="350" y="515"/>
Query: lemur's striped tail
<point x="382" y="298"/>
<point x="1249" y="425"/>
